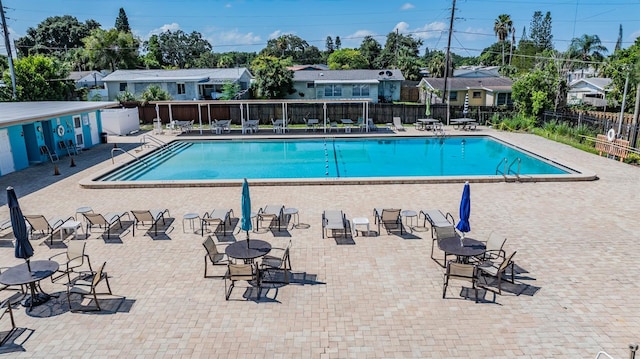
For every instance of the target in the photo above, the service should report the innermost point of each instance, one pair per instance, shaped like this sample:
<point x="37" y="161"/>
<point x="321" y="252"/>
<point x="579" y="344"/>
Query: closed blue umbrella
<point x="24" y="249"/>
<point x="465" y="210"/>
<point x="245" y="222"/>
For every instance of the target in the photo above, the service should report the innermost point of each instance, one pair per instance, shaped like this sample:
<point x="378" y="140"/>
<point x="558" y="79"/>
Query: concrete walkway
<point x="576" y="291"/>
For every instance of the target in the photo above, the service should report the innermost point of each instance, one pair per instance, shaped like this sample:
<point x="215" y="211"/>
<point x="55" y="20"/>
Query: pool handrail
<point x="118" y="149"/>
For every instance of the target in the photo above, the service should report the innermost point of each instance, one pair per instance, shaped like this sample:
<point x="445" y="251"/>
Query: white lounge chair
<point x="217" y="216"/>
<point x="334" y="220"/>
<point x="397" y="124"/>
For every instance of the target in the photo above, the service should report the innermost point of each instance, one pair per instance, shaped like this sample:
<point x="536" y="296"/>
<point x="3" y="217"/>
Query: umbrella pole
<point x="28" y="266"/>
<point x="248" y="239"/>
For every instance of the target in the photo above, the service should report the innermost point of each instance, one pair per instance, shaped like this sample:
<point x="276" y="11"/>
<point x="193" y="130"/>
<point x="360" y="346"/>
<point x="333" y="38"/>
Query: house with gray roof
<point x="89" y="79"/>
<point x="589" y="90"/>
<point x="482" y="91"/>
<point x="376" y="85"/>
<point x="183" y="84"/>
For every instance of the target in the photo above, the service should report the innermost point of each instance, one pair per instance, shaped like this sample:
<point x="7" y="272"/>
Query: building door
<point x="93" y="124"/>
<point x="6" y="155"/>
<point x="77" y="131"/>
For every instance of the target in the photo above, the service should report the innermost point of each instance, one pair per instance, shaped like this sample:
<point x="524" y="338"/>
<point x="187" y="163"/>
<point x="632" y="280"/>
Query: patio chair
<point x="88" y="288"/>
<point x="371" y="126"/>
<point x="70" y="151"/>
<point x="5" y="308"/>
<point x="333" y="125"/>
<point x="437" y="219"/>
<point x="463" y="272"/>
<point x="333" y="220"/>
<point x="73" y="146"/>
<point x="361" y="125"/>
<point x="271" y="212"/>
<point x="494" y="247"/>
<point x="44" y="150"/>
<point x="214" y="256"/>
<point x="498" y="270"/>
<point x="389" y="218"/>
<point x="46" y="227"/>
<point x="238" y="272"/>
<point x="74" y="258"/>
<point x="442" y="233"/>
<point x="279" y="263"/>
<point x="308" y="125"/>
<point x="149" y="217"/>
<point x="217" y="216"/>
<point x="106" y="221"/>
<point x="397" y="124"/>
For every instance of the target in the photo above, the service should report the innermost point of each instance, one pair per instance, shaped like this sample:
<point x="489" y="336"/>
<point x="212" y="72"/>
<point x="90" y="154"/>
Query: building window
<point x="123" y="86"/>
<point x="311" y="85"/>
<point x="504" y="98"/>
<point x="453" y="96"/>
<point x="476" y="94"/>
<point x="332" y="90"/>
<point x="181" y="89"/>
<point x="360" y="90"/>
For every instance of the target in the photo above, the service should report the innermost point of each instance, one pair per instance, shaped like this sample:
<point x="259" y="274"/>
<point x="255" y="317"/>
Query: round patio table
<point x="255" y="249"/>
<point x="463" y="249"/>
<point x="20" y="275"/>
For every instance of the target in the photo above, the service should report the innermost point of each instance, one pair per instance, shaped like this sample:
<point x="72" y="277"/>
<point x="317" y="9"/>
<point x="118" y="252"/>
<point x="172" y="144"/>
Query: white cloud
<point x="354" y="40"/>
<point x="634" y="35"/>
<point x="228" y="6"/>
<point x="427" y="31"/>
<point x="274" y="35"/>
<point x="172" y="27"/>
<point x="231" y="39"/>
<point x="407" y="6"/>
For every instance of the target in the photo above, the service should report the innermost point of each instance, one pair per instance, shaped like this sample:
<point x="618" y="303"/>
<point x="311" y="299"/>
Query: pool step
<point x="149" y="161"/>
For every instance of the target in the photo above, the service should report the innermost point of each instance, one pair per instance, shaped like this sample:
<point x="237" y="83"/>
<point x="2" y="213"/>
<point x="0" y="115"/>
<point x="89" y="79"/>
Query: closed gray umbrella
<point x="24" y="249"/>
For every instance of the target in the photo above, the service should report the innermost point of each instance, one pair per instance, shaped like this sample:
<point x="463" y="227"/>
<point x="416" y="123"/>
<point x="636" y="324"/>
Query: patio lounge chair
<point x="74" y="258"/>
<point x="333" y="220"/>
<point x="213" y="255"/>
<point x="150" y="217"/>
<point x="397" y="124"/>
<point x="437" y="219"/>
<point x="217" y="216"/>
<point x="84" y="288"/>
<point x="5" y="224"/>
<point x="237" y="272"/>
<point x="44" y="150"/>
<point x="46" y="227"/>
<point x="104" y="221"/>
<point x="389" y="218"/>
<point x="371" y="126"/>
<point x="272" y="212"/>
<point x="460" y="271"/>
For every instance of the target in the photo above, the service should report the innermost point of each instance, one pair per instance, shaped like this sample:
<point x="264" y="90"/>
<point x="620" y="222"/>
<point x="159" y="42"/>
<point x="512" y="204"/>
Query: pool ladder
<point x="118" y="149"/>
<point x="156" y="142"/>
<point x="507" y="171"/>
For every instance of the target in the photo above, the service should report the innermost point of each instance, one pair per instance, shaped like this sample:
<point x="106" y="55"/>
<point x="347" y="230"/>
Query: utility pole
<point x="7" y="44"/>
<point x="447" y="57"/>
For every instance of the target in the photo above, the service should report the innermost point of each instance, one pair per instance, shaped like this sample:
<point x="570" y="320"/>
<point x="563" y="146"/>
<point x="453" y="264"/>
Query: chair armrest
<point x="449" y="215"/>
<point x="55" y="255"/>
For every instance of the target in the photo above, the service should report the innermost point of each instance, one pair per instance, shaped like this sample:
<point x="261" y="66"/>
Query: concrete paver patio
<point x="380" y="297"/>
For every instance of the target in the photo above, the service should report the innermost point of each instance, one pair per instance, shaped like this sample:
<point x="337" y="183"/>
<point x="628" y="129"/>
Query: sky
<point x="247" y="25"/>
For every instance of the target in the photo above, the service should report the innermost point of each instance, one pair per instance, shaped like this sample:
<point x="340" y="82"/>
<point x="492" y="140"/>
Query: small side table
<point x="191" y="217"/>
<point x="409" y="216"/>
<point x="82" y="210"/>
<point x="70" y="226"/>
<point x="360" y="221"/>
<point x="293" y="212"/>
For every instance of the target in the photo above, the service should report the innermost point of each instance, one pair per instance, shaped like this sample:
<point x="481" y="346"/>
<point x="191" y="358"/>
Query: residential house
<point x="88" y="79"/>
<point x="376" y="85"/>
<point x="476" y="71"/>
<point x="184" y="84"/>
<point x="482" y="91"/>
<point x="589" y="90"/>
<point x="26" y="127"/>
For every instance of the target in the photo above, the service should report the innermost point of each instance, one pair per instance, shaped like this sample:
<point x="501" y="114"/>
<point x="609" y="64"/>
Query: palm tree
<point x="502" y="27"/>
<point x="587" y="48"/>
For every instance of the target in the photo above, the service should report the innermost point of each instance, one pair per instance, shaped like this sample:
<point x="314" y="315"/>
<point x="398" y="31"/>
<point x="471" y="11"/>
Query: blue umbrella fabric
<point x="24" y="249"/>
<point x="245" y="222"/>
<point x="465" y="210"/>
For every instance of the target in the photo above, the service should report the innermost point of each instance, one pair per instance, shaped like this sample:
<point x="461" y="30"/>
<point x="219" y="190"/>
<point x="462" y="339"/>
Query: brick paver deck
<point x="577" y="292"/>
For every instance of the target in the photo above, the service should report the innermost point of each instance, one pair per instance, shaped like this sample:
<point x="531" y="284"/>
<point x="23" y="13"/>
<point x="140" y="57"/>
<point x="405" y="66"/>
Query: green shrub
<point x="563" y="129"/>
<point x="632" y="158"/>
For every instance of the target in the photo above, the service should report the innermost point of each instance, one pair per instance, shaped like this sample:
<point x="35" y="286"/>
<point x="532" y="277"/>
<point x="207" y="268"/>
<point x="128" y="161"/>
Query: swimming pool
<point x="334" y="158"/>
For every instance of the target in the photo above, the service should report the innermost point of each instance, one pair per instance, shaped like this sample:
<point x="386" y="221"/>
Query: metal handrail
<point x="161" y="144"/>
<point x="503" y="162"/>
<point x="118" y="149"/>
<point x="509" y="171"/>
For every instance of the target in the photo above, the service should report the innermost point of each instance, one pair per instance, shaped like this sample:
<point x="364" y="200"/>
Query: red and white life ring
<point x="611" y="135"/>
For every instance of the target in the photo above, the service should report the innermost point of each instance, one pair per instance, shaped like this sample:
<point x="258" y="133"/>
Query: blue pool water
<point x="330" y="158"/>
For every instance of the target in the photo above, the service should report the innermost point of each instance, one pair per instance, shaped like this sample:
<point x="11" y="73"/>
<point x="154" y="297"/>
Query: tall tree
<point x="539" y="89"/>
<point x="54" y="36"/>
<point x="436" y="64"/>
<point x="618" y="66"/>
<point x="273" y="79"/>
<point x="503" y="27"/>
<point x="179" y="49"/>
<point x="587" y="49"/>
<point x="287" y="45"/>
<point x="347" y="59"/>
<point x="39" y="78"/>
<point x="392" y="47"/>
<point x="328" y="45"/>
<point x="619" y="41"/>
<point x="122" y="22"/>
<point x="541" y="31"/>
<point x="338" y="43"/>
<point x="112" y="49"/>
<point x="370" y="49"/>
